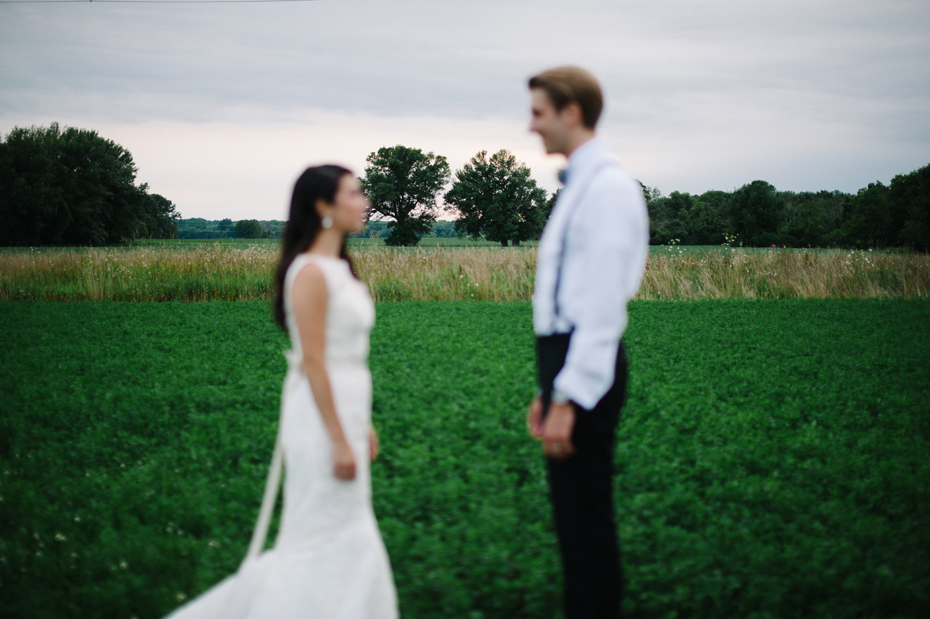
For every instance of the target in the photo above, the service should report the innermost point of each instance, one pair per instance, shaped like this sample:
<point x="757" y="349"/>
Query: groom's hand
<point x="557" y="431"/>
<point x="534" y="418"/>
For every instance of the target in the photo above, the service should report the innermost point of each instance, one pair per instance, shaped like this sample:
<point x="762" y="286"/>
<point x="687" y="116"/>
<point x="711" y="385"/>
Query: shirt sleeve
<point x="603" y="267"/>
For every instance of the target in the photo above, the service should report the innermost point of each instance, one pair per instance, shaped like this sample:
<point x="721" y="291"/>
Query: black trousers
<point x="581" y="491"/>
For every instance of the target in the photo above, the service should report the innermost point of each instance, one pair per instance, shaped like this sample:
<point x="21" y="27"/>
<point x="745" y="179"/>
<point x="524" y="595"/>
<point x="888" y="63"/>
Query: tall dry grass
<point x="784" y="274"/>
<point x="237" y="273"/>
<point x="205" y="273"/>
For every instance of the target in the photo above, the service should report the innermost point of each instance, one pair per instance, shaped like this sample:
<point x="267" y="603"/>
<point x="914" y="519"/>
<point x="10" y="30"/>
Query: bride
<point x="329" y="561"/>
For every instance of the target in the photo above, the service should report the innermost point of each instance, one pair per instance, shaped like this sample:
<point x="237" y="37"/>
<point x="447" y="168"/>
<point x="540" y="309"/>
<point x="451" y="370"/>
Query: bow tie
<point x="563" y="175"/>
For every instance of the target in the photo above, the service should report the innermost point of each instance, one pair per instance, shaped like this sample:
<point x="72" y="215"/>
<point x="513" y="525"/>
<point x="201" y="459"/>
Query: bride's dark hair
<point x="304" y="223"/>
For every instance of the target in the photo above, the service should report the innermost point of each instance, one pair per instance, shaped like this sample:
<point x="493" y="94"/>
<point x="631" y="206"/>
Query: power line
<point x="148" y="1"/>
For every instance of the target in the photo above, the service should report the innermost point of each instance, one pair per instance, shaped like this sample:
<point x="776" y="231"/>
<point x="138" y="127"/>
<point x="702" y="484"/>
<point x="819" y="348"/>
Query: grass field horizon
<point x="773" y="457"/>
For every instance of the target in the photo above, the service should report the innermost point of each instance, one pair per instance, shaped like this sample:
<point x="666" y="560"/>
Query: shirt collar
<point x="582" y="157"/>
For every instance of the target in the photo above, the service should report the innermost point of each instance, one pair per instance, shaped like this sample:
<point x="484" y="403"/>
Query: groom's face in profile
<point x="551" y="125"/>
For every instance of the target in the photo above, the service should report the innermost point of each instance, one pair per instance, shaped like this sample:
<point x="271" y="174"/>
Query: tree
<point x="73" y="187"/>
<point x="677" y="207"/>
<point x="755" y="213"/>
<point x="159" y="217"/>
<point x="32" y="205"/>
<point x="651" y="194"/>
<point x="668" y="217"/>
<point x="98" y="180"/>
<point x="812" y="217"/>
<point x="444" y="230"/>
<point x="550" y="203"/>
<point x="248" y="229"/>
<point x="373" y="230"/>
<point x="402" y="184"/>
<point x="653" y="200"/>
<point x="867" y="218"/>
<point x="911" y="194"/>
<point x="706" y="221"/>
<point x="496" y="198"/>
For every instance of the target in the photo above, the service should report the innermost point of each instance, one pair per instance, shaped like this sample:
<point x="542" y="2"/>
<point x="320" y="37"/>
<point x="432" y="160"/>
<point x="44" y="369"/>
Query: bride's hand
<point x="343" y="461"/>
<point x="374" y="444"/>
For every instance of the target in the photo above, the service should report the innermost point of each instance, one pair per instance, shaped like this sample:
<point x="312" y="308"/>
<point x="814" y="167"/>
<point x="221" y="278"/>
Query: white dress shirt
<point x="601" y="221"/>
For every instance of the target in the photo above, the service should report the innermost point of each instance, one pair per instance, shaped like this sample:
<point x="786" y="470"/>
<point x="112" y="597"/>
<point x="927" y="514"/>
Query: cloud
<point x="713" y="94"/>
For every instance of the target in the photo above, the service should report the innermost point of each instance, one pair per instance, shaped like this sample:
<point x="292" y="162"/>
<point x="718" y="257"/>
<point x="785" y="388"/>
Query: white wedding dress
<point x="329" y="561"/>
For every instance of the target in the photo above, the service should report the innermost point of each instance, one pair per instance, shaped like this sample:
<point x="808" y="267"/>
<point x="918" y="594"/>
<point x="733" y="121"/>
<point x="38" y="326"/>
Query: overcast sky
<point x="223" y="105"/>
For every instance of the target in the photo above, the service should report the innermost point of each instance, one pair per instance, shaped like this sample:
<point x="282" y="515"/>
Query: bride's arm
<point x="309" y="299"/>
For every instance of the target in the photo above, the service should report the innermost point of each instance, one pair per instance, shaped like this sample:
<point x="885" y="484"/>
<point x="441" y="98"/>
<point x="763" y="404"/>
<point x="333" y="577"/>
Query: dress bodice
<point x="350" y="313"/>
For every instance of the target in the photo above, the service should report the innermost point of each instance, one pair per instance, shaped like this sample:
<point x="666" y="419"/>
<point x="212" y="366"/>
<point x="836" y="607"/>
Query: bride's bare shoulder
<point x="309" y="277"/>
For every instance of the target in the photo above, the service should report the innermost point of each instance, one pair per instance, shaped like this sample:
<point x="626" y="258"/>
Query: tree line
<point x="73" y="187"/>
<point x="896" y="215"/>
<point x="199" y="228"/>
<point x="495" y="198"/>
<point x="379" y="230"/>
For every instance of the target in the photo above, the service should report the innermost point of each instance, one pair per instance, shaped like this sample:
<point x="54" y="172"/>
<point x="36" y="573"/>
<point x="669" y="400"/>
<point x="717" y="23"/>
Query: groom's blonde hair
<point x="567" y="84"/>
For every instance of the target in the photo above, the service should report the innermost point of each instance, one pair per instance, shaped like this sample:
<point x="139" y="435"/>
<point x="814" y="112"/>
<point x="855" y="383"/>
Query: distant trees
<point x="550" y="204"/>
<point x="897" y="215"/>
<point x="810" y="218"/>
<point x="199" y="228"/>
<point x="889" y="216"/>
<point x="670" y="216"/>
<point x="403" y="184"/>
<point x="691" y="220"/>
<point x="73" y="187"/>
<point x="159" y="215"/>
<point x="867" y="218"/>
<point x="496" y="199"/>
<point x="444" y="230"/>
<point x="755" y="212"/>
<point x="373" y="230"/>
<point x="706" y="218"/>
<point x="248" y="229"/>
<point x="911" y="192"/>
<point x="379" y="229"/>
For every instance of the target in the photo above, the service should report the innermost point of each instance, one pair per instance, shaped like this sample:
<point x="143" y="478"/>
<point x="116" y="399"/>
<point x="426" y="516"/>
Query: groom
<point x="590" y="262"/>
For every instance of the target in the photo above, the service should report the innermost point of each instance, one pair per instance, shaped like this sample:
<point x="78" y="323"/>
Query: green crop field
<point x="773" y="457"/>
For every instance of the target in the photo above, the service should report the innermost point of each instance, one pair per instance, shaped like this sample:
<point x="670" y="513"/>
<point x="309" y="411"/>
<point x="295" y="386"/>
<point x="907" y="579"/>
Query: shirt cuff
<point x="581" y="391"/>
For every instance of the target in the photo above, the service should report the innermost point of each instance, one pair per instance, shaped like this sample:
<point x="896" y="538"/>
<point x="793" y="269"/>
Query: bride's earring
<point x="328" y="221"/>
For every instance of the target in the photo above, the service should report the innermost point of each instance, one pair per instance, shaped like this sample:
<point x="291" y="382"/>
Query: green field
<point x="774" y="457"/>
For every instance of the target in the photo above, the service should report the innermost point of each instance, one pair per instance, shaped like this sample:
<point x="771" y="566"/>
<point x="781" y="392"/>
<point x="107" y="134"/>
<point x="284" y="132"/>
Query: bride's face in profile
<point x="350" y="206"/>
